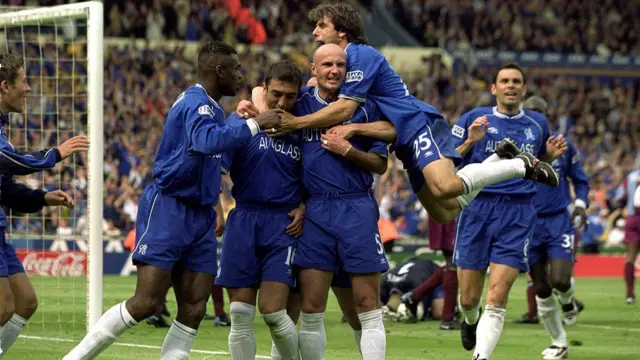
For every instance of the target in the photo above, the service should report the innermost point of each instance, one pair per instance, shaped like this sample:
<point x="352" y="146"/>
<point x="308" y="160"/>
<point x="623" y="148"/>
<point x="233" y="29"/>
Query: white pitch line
<point x="142" y="346"/>
<point x="605" y="327"/>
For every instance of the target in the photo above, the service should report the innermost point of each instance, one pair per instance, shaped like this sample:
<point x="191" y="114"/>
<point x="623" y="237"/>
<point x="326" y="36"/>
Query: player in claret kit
<point x="423" y="142"/>
<point x="18" y="300"/>
<point x="259" y="240"/>
<point x="175" y="242"/>
<point x="496" y="228"/>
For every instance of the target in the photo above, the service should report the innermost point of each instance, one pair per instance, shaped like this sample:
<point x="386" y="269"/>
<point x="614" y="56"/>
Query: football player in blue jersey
<point x="422" y="139"/>
<point x="260" y="236"/>
<point x="551" y="251"/>
<point x="18" y="300"/>
<point x="175" y="242"/>
<point x="495" y="230"/>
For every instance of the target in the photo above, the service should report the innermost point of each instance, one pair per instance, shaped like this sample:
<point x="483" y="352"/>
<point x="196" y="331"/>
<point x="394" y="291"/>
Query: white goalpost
<point x="63" y="51"/>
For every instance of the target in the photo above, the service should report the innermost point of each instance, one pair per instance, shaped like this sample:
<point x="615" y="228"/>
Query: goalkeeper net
<point x="62" y="49"/>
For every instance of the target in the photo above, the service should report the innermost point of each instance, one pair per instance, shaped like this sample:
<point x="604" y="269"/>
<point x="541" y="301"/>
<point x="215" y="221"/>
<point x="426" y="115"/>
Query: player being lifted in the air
<point x="496" y="228"/>
<point x="175" y="240"/>
<point x="18" y="300"/>
<point x="259" y="239"/>
<point x="423" y="142"/>
<point x="552" y="243"/>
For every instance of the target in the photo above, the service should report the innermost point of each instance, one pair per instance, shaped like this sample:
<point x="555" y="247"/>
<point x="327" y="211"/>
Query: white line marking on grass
<point x="605" y="327"/>
<point x="141" y="346"/>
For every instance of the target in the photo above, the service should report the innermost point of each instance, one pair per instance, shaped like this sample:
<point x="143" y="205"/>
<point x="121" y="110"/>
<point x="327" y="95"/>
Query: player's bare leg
<point x="548" y="311"/>
<point x="531" y="316"/>
<point x="192" y="293"/>
<point x="348" y="307"/>
<point x="560" y="274"/>
<point x="272" y="302"/>
<point x="294" y="304"/>
<point x="366" y="296"/>
<point x="471" y="283"/>
<point x="151" y="287"/>
<point x="25" y="305"/>
<point x="629" y="269"/>
<point x="314" y="290"/>
<point x="7" y="302"/>
<point x="242" y="338"/>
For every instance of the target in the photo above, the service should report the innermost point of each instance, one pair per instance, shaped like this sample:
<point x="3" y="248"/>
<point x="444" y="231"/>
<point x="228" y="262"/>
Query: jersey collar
<point x="316" y="94"/>
<point x="505" y="116"/>
<point x="210" y="98"/>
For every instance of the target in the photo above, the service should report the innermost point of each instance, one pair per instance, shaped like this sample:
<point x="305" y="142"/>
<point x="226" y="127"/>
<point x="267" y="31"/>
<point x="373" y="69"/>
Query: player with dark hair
<point x="496" y="228"/>
<point x="18" y="300"/>
<point x="422" y="136"/>
<point x="260" y="235"/>
<point x="175" y="242"/>
<point x="551" y="252"/>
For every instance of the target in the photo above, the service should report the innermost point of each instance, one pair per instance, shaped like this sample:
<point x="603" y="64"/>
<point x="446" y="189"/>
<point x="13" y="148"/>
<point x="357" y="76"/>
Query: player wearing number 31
<point x="17" y="298"/>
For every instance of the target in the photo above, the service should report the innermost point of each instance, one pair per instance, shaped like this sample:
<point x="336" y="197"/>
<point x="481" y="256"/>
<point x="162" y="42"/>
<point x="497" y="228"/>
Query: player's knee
<point x="313" y="307"/>
<point x="28" y="307"/>
<point x="365" y="302"/>
<point x="543" y="290"/>
<point x="268" y="307"/>
<point x="194" y="311"/>
<point x="469" y="301"/>
<point x="6" y="312"/>
<point x="141" y="307"/>
<point x="561" y="283"/>
<point x="497" y="294"/>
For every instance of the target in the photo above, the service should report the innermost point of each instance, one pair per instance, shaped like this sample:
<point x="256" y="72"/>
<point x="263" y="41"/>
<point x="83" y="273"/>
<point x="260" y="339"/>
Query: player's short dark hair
<point x="209" y="53"/>
<point x="9" y="66"/>
<point x="344" y="18"/>
<point x="509" y="66"/>
<point x="284" y="70"/>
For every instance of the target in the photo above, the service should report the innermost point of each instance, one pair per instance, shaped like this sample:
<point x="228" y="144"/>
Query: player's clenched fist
<point x="477" y="129"/>
<point x="59" y="198"/>
<point x="287" y="125"/>
<point x="74" y="145"/>
<point x="269" y="119"/>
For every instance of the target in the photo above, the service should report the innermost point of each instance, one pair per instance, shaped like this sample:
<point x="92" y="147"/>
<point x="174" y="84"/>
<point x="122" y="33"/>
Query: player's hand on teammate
<point x="295" y="227"/>
<point x="74" y="145"/>
<point x="270" y="120"/>
<point x="477" y="129"/>
<point x="556" y="146"/>
<point x="581" y="214"/>
<point x="335" y="144"/>
<point x="247" y="109"/>
<point x="343" y="131"/>
<point x="59" y="198"/>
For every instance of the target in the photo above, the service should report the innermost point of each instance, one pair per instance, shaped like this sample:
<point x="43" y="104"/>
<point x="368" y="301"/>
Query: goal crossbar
<point x="93" y="11"/>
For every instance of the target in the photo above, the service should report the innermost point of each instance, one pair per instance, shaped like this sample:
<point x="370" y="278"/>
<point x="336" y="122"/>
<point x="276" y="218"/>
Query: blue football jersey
<point x="370" y="77"/>
<point x="529" y="130"/>
<point x="187" y="165"/>
<point x="324" y="171"/>
<point x="265" y="171"/>
<point x="550" y="199"/>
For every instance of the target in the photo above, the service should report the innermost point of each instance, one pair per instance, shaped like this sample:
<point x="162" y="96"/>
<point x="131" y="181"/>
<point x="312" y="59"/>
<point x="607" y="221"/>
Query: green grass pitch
<point x="608" y="328"/>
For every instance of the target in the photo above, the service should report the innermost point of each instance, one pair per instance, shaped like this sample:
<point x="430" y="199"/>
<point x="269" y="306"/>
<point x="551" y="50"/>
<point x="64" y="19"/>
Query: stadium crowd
<point x="141" y="84"/>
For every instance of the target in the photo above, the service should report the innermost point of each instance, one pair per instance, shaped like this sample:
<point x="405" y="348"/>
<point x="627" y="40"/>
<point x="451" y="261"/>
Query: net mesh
<point x="52" y="243"/>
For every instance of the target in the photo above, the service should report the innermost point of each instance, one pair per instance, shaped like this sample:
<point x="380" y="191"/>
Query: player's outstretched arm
<point x="382" y="130"/>
<point x="210" y="137"/>
<point x="368" y="161"/>
<point x="21" y="198"/>
<point x="15" y="162"/>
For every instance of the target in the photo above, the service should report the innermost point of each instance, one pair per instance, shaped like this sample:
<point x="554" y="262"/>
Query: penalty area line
<point x="140" y="346"/>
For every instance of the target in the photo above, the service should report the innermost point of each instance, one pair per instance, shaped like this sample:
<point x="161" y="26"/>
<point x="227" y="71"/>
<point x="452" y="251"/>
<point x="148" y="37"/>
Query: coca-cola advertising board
<point x="53" y="263"/>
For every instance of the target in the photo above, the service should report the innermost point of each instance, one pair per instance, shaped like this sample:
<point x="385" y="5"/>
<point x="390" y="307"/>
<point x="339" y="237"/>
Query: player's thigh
<point x="442" y="211"/>
<point x="276" y="249"/>
<point x="474" y="235"/>
<point x="162" y="230"/>
<point x="540" y="276"/>
<point x="560" y="273"/>
<point x="7" y="300"/>
<point x="514" y="230"/>
<point x="239" y="264"/>
<point x="471" y="284"/>
<point x="152" y="285"/>
<point x="26" y="301"/>
<point x="245" y="295"/>
<point x="540" y="239"/>
<point x="348" y="307"/>
<point x="366" y="291"/>
<point x="359" y="245"/>
<point x="273" y="296"/>
<point x="191" y="288"/>
<point x="501" y="279"/>
<point x="317" y="245"/>
<point x="314" y="289"/>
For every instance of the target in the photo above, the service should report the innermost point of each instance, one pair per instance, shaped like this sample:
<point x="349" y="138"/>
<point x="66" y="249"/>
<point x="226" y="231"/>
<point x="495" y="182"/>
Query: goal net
<point x="61" y="249"/>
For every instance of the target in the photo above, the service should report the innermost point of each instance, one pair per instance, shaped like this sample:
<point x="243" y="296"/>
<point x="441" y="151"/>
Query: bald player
<point x="341" y="218"/>
<point x="174" y="238"/>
